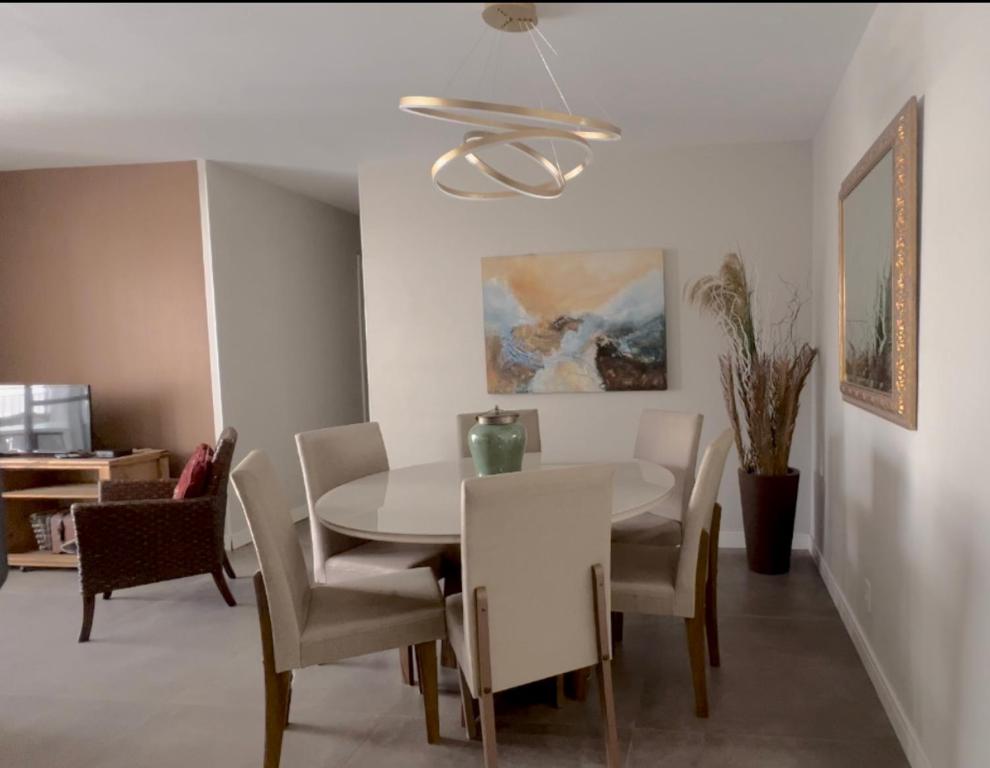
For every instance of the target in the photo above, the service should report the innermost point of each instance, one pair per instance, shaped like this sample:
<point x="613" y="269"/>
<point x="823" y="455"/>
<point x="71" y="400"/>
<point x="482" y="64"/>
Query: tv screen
<point x="45" y="418"/>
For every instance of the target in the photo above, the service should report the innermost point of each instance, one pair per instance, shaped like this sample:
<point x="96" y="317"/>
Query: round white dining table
<point x="422" y="504"/>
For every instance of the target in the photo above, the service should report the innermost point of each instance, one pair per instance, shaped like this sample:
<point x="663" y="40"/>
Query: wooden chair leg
<point x="468" y="711"/>
<point x="558" y="692"/>
<point x="228" y="567"/>
<point x="576" y="684"/>
<point x="278" y="685"/>
<point x="617" y="626"/>
<point x="606" y="698"/>
<point x="276" y="717"/>
<point x="606" y="695"/>
<point x="696" y="650"/>
<point x="695" y="627"/>
<point x="487" y="695"/>
<point x="488" y="729"/>
<point x="221" y="583"/>
<point x="407" y="665"/>
<point x="711" y="591"/>
<point x="89" y="606"/>
<point x="451" y="586"/>
<point x="447" y="658"/>
<point x="426" y="659"/>
<point x="106" y="595"/>
<point x="287" y="694"/>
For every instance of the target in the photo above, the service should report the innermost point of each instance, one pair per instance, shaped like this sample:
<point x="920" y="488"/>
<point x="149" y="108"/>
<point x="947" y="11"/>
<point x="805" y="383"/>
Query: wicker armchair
<point x="138" y="534"/>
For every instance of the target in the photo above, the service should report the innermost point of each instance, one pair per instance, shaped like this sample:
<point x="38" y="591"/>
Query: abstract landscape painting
<point x="575" y="322"/>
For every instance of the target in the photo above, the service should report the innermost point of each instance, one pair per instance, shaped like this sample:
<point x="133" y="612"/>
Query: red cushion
<point x="195" y="475"/>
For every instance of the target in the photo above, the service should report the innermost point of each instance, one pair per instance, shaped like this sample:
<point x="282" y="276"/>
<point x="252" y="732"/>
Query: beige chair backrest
<point x="671" y="438"/>
<point x="531" y="539"/>
<point x="698" y="519"/>
<point x="332" y="457"/>
<point x="528" y="417"/>
<point x="279" y="553"/>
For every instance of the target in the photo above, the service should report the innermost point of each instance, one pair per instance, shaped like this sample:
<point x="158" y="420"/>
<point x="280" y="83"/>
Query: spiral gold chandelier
<point x="515" y="127"/>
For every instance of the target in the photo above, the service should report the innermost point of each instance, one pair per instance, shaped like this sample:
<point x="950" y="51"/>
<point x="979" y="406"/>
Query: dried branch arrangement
<point x="763" y="371"/>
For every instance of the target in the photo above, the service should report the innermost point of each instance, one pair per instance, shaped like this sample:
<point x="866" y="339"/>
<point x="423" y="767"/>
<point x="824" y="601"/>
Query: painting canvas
<point x="575" y="322"/>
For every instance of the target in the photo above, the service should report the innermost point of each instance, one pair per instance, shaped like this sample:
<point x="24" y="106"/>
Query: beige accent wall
<point x="101" y="283"/>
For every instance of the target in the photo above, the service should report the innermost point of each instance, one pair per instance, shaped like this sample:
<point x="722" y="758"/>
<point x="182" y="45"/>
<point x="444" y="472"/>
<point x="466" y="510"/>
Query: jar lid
<point x="497" y="416"/>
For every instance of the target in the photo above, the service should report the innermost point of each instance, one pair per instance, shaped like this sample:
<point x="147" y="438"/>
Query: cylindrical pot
<point x="768" y="506"/>
<point x="497" y="442"/>
<point x="3" y="545"/>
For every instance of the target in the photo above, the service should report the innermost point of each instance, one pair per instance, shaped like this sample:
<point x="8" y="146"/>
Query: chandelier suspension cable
<point x="488" y="60"/>
<point x="464" y="60"/>
<point x="591" y="91"/>
<point x="601" y="107"/>
<point x="529" y="28"/>
<point x="546" y="66"/>
<point x="498" y="47"/>
<point x="553" y="146"/>
<point x="543" y="37"/>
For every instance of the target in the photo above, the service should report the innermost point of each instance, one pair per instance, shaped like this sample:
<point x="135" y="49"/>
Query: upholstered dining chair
<point x="528" y="417"/>
<point x="669" y="438"/>
<point x="535" y="557"/>
<point x="136" y="533"/>
<point x="331" y="457"/>
<point x="303" y="625"/>
<point x="675" y="581"/>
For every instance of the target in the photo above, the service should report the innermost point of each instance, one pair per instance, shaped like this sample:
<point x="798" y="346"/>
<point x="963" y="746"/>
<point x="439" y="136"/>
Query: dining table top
<point x="422" y="503"/>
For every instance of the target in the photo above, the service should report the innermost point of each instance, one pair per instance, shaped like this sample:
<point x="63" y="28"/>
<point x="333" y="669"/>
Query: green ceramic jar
<point x="497" y="442"/>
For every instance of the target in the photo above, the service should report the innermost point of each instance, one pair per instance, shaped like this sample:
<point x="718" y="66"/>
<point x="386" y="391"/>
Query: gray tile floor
<point x="172" y="677"/>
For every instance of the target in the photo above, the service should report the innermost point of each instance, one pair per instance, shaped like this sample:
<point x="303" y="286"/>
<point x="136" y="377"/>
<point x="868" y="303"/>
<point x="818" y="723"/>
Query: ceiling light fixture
<point x="512" y="126"/>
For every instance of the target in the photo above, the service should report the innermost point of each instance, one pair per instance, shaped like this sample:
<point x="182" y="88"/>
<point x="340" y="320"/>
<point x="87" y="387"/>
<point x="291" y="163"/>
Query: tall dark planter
<point x="3" y="544"/>
<point x="768" y="506"/>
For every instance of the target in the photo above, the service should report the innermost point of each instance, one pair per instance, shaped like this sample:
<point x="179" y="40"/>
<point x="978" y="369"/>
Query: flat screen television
<point x="45" y="418"/>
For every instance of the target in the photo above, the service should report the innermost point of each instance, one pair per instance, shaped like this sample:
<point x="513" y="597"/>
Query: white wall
<point x="284" y="273"/>
<point x="422" y="273"/>
<point x="908" y="511"/>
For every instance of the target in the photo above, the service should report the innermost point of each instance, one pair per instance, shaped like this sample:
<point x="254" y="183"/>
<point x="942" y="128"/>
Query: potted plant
<point x="763" y="372"/>
<point x="3" y="546"/>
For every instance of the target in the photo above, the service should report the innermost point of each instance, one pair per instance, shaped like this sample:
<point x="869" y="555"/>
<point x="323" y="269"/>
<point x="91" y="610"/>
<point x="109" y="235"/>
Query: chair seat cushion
<point x="648" y="528"/>
<point x="643" y="578"/>
<point x="375" y="613"/>
<point x="381" y="557"/>
<point x="661" y="526"/>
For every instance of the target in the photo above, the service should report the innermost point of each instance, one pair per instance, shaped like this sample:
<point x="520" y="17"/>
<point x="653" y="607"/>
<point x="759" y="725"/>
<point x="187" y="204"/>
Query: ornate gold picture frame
<point x="878" y="275"/>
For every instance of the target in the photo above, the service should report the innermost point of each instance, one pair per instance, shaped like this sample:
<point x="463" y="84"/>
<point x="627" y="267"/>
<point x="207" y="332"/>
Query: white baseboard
<point x="737" y="540"/>
<point x="905" y="731"/>
<point x="242" y="537"/>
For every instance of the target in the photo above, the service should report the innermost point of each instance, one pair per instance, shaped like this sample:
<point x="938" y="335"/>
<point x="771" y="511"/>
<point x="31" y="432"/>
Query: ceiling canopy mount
<point x="510" y="17"/>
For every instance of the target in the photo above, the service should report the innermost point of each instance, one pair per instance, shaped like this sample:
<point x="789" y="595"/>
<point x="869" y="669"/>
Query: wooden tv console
<point x="40" y="483"/>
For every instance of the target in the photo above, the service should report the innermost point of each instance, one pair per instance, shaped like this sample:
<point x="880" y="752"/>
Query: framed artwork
<point x="878" y="275"/>
<point x="575" y="322"/>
